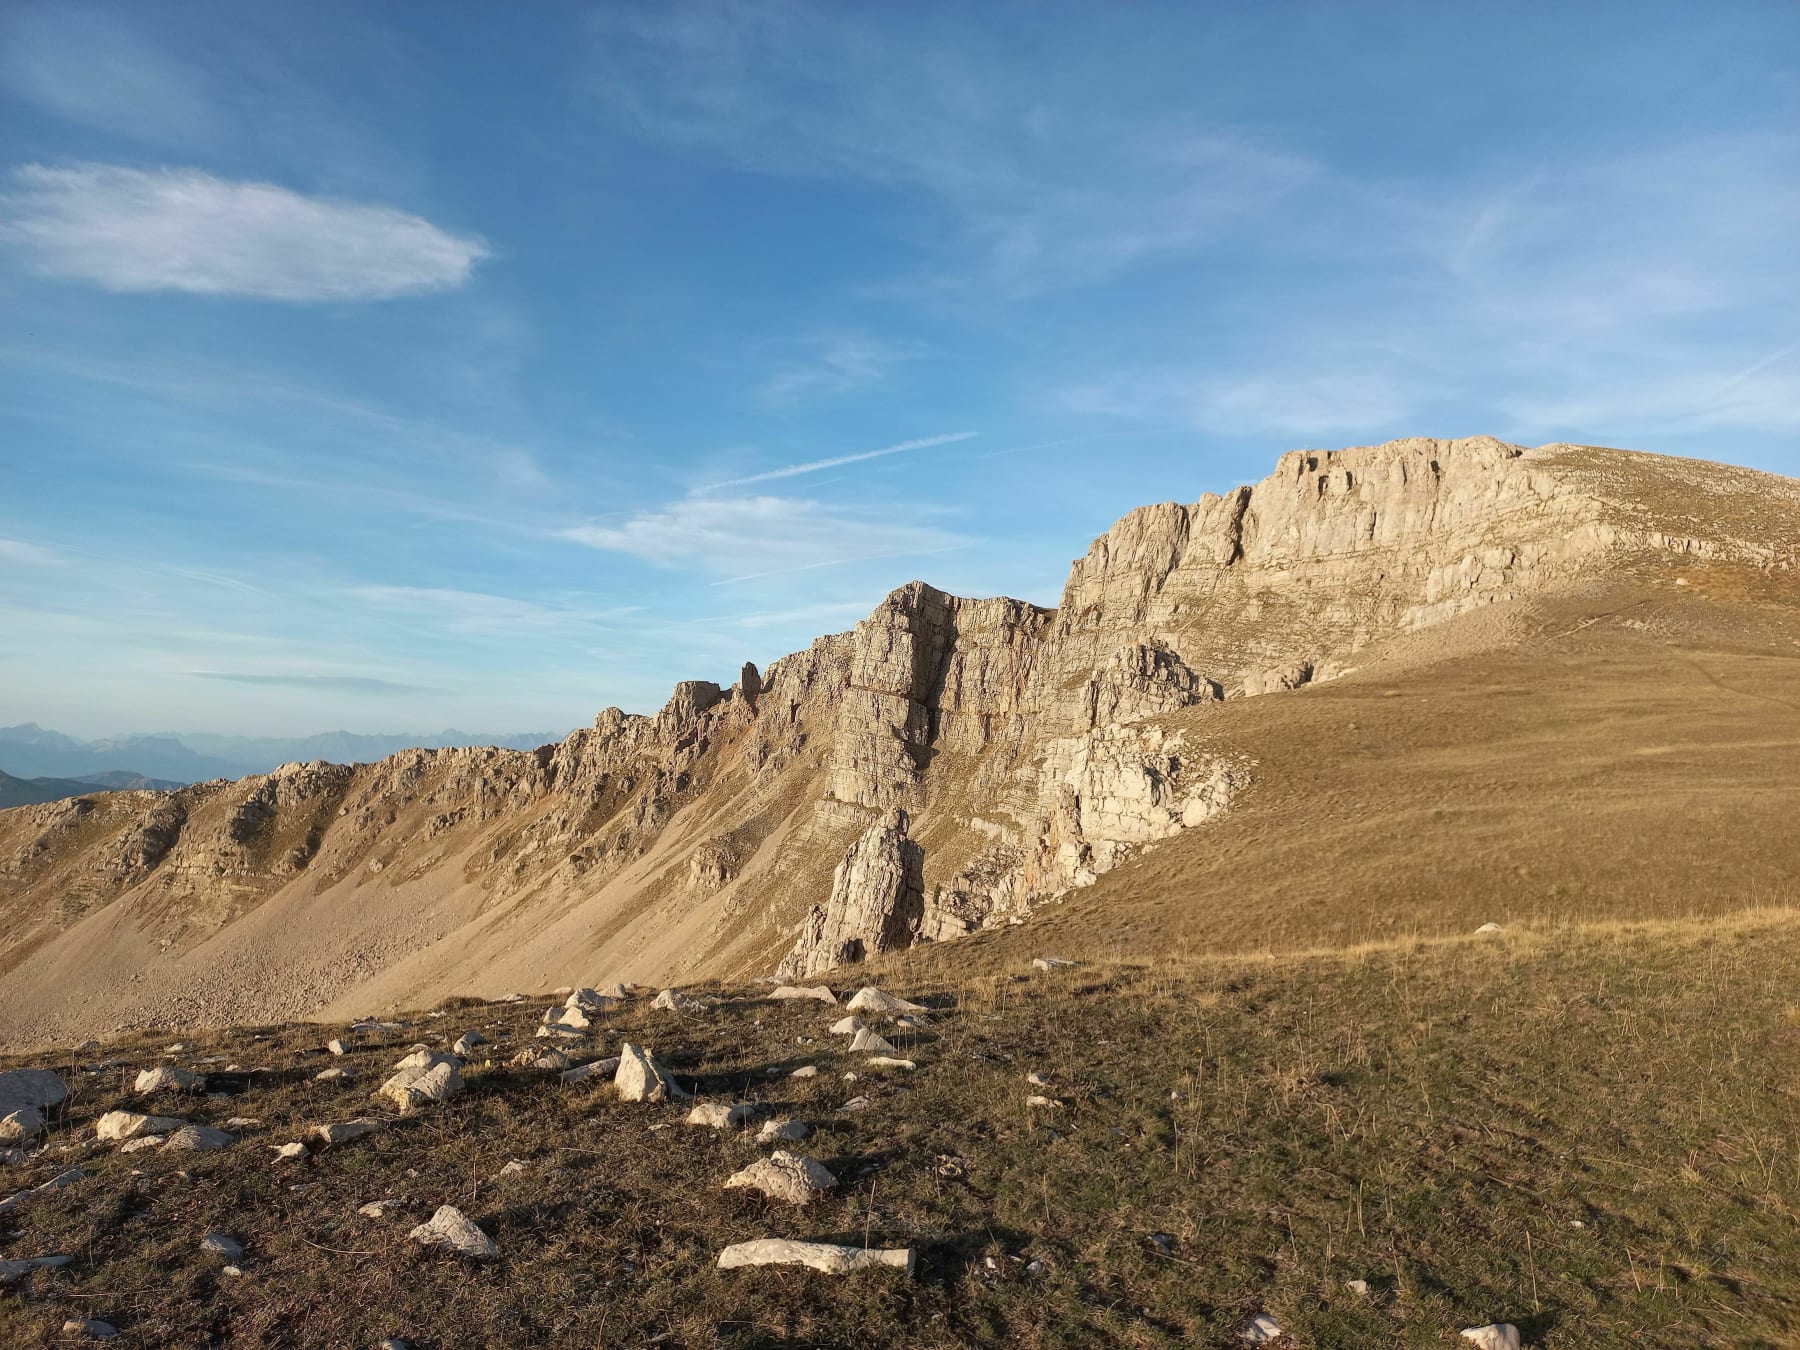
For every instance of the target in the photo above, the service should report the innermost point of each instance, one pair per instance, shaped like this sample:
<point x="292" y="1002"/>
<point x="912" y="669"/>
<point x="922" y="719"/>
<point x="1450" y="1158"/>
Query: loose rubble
<point x="822" y="1256"/>
<point x="453" y="1230"/>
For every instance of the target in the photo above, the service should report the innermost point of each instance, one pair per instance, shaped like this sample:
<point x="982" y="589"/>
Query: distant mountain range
<point x="166" y="759"/>
<point x="30" y="791"/>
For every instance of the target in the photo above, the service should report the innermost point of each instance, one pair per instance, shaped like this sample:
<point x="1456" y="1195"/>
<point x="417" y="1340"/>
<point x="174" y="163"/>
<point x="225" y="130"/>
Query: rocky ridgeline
<point x="941" y="768"/>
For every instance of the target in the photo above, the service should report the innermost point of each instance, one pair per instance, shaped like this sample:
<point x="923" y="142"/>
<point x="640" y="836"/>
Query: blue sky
<point x="394" y="367"/>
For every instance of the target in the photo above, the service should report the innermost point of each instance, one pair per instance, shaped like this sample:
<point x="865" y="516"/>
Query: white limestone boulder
<point x="817" y="991"/>
<point x="343" y="1131"/>
<point x="417" y="1085"/>
<point x="198" y="1139"/>
<point x="722" y="1115"/>
<point x="31" y="1089"/>
<point x="166" y="1078"/>
<point x="847" y="1026"/>
<point x="640" y="1078"/>
<point x="868" y="1042"/>
<point x="871" y="999"/>
<point x="454" y="1231"/>
<point x="784" y="1176"/>
<point x="118" y="1126"/>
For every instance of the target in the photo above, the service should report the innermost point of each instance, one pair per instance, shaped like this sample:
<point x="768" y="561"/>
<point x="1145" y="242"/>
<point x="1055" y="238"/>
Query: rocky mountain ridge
<point x="943" y="767"/>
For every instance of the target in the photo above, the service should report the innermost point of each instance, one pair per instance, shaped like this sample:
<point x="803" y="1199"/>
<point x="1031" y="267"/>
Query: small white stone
<point x="1495" y="1336"/>
<point x="805" y="1071"/>
<point x="847" y="1026"/>
<point x="218" y="1244"/>
<point x="1263" y="1330"/>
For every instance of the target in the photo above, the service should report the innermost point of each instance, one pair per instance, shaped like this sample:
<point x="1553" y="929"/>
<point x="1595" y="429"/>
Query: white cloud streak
<point x="744" y="538"/>
<point x="135" y="230"/>
<point x="838" y="461"/>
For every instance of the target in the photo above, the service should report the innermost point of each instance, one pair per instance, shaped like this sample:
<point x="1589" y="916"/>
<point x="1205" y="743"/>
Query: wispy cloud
<point x="478" y="612"/>
<point x="832" y="366"/>
<point x="1040" y="195"/>
<point x="838" y="461"/>
<point x="343" y="684"/>
<point x="185" y="230"/>
<point x="28" y="555"/>
<point x="741" y="538"/>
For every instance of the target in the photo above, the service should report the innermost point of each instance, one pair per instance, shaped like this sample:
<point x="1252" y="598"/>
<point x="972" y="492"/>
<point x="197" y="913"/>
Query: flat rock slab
<point x="31" y="1089"/>
<point x="600" y="1068"/>
<point x="784" y="1176"/>
<point x="333" y="1076"/>
<point x="1496" y="1336"/>
<point x="199" y="1139"/>
<point x="1263" y="1330"/>
<point x="722" y="1115"/>
<point x="89" y="1329"/>
<point x="417" y="1084"/>
<point x="450" y="1228"/>
<point x="56" y="1183"/>
<point x="868" y="1043"/>
<point x="889" y="1062"/>
<point x="871" y="999"/>
<point x="817" y="991"/>
<point x="822" y="1256"/>
<point x="11" y="1271"/>
<point x="121" y="1125"/>
<point x="783" y="1132"/>
<point x="221" y="1245"/>
<point x="166" y="1078"/>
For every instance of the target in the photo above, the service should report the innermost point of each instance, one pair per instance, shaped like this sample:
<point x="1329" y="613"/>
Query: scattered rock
<point x="284" y="1152"/>
<point x="1358" y="1287"/>
<point x="871" y="999"/>
<point x="889" y="1062"/>
<point x="569" y="1023"/>
<point x="805" y="1071"/>
<point x="242" y="1122"/>
<point x="221" y="1245"/>
<point x="1037" y="1080"/>
<point x="334" y="1076"/>
<point x="21" y="1126"/>
<point x="452" y="1229"/>
<point x="1495" y="1336"/>
<point x="856" y="1104"/>
<point x="377" y="1209"/>
<point x="199" y="1139"/>
<point x="1488" y="928"/>
<point x="1263" y="1330"/>
<point x="868" y="1043"/>
<point x="466" y="1043"/>
<point x="166" y="1078"/>
<point x="1053" y="963"/>
<point x="641" y="1079"/>
<point x="122" y="1125"/>
<point x="344" y="1131"/>
<point x="616" y="990"/>
<point x="673" y="1000"/>
<point x="589" y="1001"/>
<point x="337" y="1047"/>
<point x="784" y="1131"/>
<point x="423" y="1078"/>
<point x="549" y="1057"/>
<point x="823" y="1256"/>
<point x="91" y="1329"/>
<point x="847" y="1026"/>
<point x="11" y="1271"/>
<point x="56" y="1183"/>
<point x="598" y="1069"/>
<point x="142" y="1142"/>
<point x="31" y="1089"/>
<point x="784" y="1176"/>
<point x="817" y="991"/>
<point x="1042" y="1101"/>
<point x="722" y="1116"/>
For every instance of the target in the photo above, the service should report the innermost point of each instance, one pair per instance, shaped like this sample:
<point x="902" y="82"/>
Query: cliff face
<point x="944" y="766"/>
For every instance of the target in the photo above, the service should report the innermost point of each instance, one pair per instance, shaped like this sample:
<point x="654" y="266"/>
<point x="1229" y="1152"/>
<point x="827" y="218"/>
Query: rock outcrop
<point x="877" y="902"/>
<point x="947" y="765"/>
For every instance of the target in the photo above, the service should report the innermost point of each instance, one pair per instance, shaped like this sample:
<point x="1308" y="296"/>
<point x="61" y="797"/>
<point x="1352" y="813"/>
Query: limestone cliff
<point x="946" y="765"/>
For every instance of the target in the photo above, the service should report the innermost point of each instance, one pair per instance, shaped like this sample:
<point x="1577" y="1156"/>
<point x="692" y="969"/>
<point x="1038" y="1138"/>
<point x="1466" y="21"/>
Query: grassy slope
<point x="1435" y="1118"/>
<point x="1623" y="755"/>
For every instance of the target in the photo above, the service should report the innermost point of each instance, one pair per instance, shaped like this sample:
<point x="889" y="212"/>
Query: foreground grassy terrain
<point x="1592" y="1133"/>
